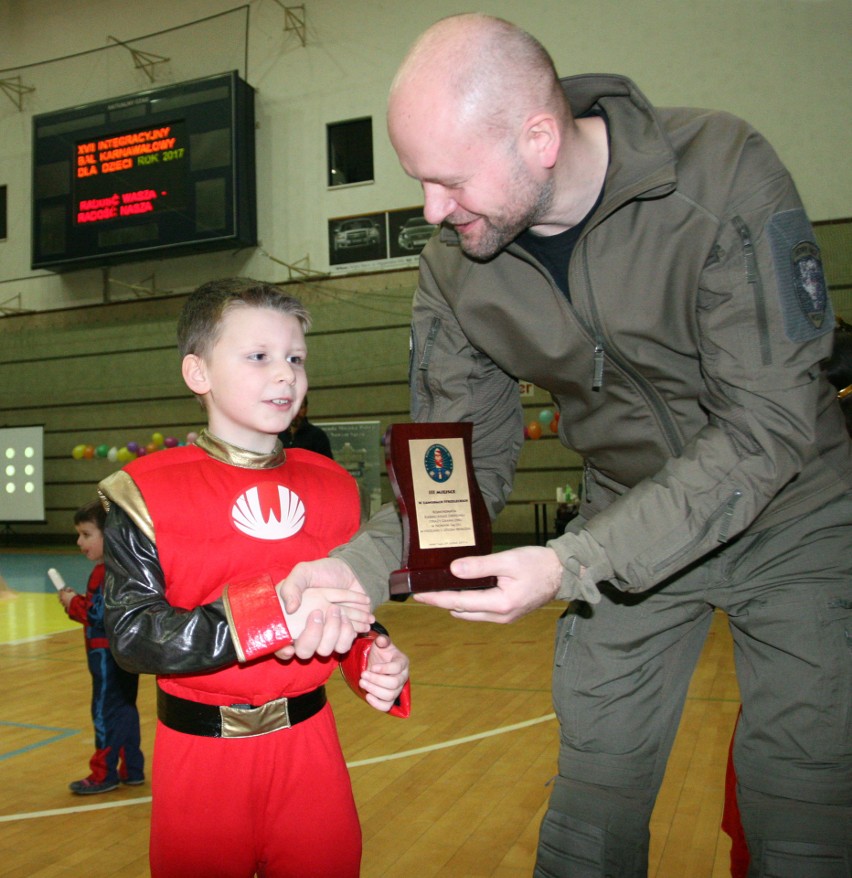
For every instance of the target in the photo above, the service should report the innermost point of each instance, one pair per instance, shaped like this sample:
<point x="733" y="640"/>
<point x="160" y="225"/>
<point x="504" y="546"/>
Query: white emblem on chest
<point x="268" y="512"/>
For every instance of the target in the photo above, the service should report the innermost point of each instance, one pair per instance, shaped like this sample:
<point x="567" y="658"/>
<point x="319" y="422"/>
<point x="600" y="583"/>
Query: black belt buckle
<point x="236" y="721"/>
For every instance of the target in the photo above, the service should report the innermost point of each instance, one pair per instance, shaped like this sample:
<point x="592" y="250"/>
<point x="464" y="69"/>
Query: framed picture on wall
<point x="357" y="238"/>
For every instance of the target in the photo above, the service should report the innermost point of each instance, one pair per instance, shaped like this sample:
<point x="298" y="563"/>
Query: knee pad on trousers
<point x="592" y="832"/>
<point x="788" y="839"/>
<point x="791" y="859"/>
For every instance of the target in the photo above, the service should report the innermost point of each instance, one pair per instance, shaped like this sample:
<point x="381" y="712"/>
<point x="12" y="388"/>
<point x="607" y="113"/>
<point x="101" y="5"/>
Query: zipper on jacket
<point x="587" y="481"/>
<point x="597" y="381"/>
<point x="756" y="283"/>
<point x="423" y="364"/>
<point x="655" y="402"/>
<point x="727" y="517"/>
<point x="599" y="354"/>
<point x="725" y="512"/>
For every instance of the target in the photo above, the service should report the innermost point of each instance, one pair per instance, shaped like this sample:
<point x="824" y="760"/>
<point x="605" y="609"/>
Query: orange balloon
<point x="151" y="447"/>
<point x="534" y="430"/>
<point x="89" y="452"/>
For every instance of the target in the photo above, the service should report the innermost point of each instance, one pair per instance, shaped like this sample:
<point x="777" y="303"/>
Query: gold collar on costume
<point x="847" y="391"/>
<point x="219" y="449"/>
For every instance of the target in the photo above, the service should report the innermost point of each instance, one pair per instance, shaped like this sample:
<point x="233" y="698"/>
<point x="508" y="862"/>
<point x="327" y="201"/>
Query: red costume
<point x="200" y="536"/>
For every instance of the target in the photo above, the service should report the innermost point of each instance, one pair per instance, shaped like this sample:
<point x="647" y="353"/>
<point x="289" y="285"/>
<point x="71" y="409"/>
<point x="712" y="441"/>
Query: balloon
<point x="77" y="452"/>
<point x="150" y="448"/>
<point x="534" y="430"/>
<point x="123" y="455"/>
<point x="554" y="425"/>
<point x="170" y="442"/>
<point x="545" y="416"/>
<point x="133" y="447"/>
<point x="89" y="452"/>
<point x="191" y="437"/>
<point x="157" y="440"/>
<point x="102" y="451"/>
<point x="112" y="454"/>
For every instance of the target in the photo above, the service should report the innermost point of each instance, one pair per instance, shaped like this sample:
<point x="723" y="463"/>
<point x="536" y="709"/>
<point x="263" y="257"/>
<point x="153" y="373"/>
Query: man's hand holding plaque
<point x="443" y="513"/>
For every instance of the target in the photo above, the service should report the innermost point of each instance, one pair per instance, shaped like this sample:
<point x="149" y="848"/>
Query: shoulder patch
<point x="802" y="289"/>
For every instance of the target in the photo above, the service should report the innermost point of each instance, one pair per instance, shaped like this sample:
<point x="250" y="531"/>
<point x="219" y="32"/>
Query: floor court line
<point x="56" y="812"/>
<point x="388" y="757"/>
<point x="60" y="734"/>
<point x="38" y="630"/>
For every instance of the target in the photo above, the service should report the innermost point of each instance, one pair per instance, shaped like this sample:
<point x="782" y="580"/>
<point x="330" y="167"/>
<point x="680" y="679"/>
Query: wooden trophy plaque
<point x="442" y="510"/>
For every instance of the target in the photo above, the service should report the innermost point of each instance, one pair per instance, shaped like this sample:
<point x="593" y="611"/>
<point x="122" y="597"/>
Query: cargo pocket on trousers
<point x="565" y="672"/>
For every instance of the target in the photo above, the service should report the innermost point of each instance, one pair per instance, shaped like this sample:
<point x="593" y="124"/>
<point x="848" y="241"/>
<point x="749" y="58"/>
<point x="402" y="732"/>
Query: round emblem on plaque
<point x="439" y="463"/>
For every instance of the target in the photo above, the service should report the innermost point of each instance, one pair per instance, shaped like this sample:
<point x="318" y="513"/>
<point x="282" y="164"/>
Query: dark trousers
<point x="116" y="720"/>
<point x="621" y="672"/>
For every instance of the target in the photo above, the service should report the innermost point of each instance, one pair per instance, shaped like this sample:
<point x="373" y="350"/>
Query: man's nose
<point x="437" y="204"/>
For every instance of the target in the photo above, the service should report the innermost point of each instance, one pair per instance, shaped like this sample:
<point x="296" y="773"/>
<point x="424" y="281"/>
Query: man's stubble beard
<point x="533" y="203"/>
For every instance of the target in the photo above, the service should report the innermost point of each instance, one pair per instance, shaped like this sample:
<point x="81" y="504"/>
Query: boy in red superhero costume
<point x="114" y="713"/>
<point x="248" y="773"/>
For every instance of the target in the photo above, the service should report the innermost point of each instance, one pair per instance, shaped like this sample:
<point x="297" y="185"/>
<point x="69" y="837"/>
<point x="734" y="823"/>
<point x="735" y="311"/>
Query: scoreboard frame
<point x="164" y="172"/>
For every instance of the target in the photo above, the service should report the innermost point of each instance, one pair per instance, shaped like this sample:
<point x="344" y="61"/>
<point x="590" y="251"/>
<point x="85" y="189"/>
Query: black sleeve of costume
<point x="148" y="635"/>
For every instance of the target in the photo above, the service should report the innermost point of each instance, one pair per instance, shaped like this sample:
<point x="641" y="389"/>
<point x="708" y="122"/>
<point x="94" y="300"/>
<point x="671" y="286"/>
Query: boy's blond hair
<point x="200" y="320"/>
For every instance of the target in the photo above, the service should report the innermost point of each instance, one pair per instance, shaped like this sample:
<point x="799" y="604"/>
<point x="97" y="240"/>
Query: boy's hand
<point x="66" y="596"/>
<point x="327" y="620"/>
<point x="324" y="573"/>
<point x="386" y="674"/>
<point x="326" y="632"/>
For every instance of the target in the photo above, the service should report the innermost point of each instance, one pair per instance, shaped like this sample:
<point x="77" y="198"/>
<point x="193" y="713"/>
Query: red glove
<point x="355" y="663"/>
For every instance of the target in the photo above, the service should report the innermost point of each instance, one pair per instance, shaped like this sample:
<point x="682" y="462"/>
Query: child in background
<point x="248" y="775"/>
<point x="117" y="756"/>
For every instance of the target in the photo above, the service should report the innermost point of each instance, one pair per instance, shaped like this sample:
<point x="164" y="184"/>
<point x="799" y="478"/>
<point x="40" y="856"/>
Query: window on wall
<point x="3" y="226"/>
<point x="350" y="152"/>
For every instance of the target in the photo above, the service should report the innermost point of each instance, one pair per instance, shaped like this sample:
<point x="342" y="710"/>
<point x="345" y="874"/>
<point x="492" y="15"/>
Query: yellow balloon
<point x="158" y="439"/>
<point x="78" y="451"/>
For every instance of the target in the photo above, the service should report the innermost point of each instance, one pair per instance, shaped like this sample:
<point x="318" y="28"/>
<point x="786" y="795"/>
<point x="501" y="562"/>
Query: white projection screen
<point x="21" y="474"/>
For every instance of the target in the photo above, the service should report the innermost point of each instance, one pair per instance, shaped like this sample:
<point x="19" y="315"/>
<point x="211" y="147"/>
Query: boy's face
<point x="253" y="380"/>
<point x="90" y="539"/>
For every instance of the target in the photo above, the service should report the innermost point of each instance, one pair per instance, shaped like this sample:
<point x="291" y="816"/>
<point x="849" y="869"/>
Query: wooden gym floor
<point x="458" y="790"/>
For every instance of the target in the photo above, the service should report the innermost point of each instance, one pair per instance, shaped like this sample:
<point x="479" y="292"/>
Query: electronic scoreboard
<point x="164" y="172"/>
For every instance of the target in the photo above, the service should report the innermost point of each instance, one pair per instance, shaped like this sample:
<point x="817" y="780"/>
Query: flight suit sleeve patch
<point x="802" y="289"/>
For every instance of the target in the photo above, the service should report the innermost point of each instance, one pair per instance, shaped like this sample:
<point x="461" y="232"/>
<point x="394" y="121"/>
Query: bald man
<point x="653" y="268"/>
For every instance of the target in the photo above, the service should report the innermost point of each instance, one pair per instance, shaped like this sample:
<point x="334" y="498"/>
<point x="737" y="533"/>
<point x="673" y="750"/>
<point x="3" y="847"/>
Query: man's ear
<point x="542" y="137"/>
<point x="194" y="373"/>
